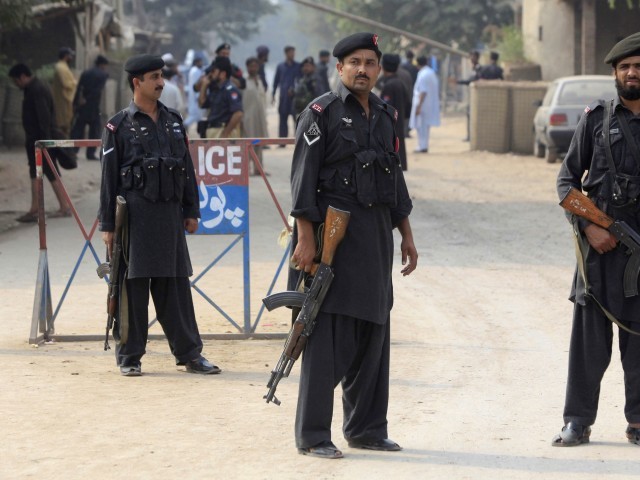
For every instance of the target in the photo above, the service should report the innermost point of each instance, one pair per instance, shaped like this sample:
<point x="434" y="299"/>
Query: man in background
<point x="223" y="99"/>
<point x="426" y="105"/>
<point x="64" y="90"/>
<point x="86" y="103"/>
<point x="394" y="92"/>
<point x="38" y="121"/>
<point x="171" y="96"/>
<point x="492" y="71"/>
<point x="194" y="112"/>
<point x="262" y="54"/>
<point x="322" y="71"/>
<point x="286" y="74"/>
<point x="254" y="101"/>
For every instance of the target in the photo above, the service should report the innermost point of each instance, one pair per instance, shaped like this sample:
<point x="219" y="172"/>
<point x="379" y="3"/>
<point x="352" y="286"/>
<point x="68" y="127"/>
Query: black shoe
<point x="572" y="434"/>
<point x="202" y="365"/>
<point x="130" y="370"/>
<point x="92" y="157"/>
<point x="633" y="434"/>
<point x="323" y="450"/>
<point x="384" y="445"/>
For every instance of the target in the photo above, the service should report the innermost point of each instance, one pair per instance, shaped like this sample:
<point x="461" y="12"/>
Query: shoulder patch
<point x="322" y="102"/>
<point x="114" y="122"/>
<point x="594" y="106"/>
<point x="313" y="134"/>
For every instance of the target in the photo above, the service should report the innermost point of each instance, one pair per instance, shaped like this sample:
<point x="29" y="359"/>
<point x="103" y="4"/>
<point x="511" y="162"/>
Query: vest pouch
<point x="167" y="187"/>
<point x="386" y="178"/>
<point x="126" y="178"/>
<point x="366" y="177"/>
<point x="138" y="177"/>
<point x="151" y="167"/>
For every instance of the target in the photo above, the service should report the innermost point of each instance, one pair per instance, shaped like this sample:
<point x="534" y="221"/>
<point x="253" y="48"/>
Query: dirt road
<point x="479" y="349"/>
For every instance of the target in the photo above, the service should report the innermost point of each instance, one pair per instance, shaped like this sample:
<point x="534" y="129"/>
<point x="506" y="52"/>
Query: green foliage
<point x="612" y="3"/>
<point x="511" y="45"/>
<point x="446" y="21"/>
<point x="188" y="20"/>
<point x="15" y="14"/>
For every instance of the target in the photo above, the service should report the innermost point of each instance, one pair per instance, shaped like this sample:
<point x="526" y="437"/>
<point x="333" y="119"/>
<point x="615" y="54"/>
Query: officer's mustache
<point x="159" y="88"/>
<point x="363" y="76"/>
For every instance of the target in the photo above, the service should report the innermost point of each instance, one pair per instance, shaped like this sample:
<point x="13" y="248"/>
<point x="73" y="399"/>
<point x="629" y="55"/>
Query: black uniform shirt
<point x="157" y="244"/>
<point x="223" y="101"/>
<point x="322" y="175"/>
<point x="586" y="154"/>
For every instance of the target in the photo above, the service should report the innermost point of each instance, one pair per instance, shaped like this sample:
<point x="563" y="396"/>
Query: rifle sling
<point x="606" y="126"/>
<point x="628" y="136"/>
<point x="582" y="269"/>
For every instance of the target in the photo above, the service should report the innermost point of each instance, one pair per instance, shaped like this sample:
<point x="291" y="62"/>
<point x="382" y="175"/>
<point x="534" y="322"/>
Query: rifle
<point x="335" y="226"/>
<point x="579" y="204"/>
<point x="112" y="268"/>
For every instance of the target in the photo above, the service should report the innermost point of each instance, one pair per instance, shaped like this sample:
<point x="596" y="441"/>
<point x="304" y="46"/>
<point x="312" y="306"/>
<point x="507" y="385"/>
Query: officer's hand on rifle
<point x="107" y="238"/>
<point x="600" y="238"/>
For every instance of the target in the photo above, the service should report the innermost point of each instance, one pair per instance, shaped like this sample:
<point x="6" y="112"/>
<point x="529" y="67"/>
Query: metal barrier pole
<point x="41" y="317"/>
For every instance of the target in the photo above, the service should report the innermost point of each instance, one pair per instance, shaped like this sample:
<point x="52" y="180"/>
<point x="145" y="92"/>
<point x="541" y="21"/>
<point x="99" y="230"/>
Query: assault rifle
<point x="112" y="268"/>
<point x="579" y="204"/>
<point x="309" y="302"/>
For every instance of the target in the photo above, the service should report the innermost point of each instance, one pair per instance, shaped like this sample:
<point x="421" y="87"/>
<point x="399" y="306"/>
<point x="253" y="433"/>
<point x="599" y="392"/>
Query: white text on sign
<point x="219" y="160"/>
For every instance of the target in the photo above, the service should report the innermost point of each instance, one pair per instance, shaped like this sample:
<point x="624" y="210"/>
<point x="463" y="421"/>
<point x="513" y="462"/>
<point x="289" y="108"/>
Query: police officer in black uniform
<point x="394" y="92"/>
<point x="145" y="158"/>
<point x="346" y="156"/>
<point x="605" y="147"/>
<point x="223" y="99"/>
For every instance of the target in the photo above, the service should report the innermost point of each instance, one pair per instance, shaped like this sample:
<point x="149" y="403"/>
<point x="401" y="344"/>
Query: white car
<point x="559" y="112"/>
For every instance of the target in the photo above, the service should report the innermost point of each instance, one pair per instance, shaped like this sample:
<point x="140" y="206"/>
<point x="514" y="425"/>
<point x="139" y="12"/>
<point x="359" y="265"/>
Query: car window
<point x="586" y="92"/>
<point x="549" y="95"/>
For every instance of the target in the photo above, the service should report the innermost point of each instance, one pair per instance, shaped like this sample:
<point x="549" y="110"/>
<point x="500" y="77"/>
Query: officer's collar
<point x="344" y="93"/>
<point x="133" y="108"/>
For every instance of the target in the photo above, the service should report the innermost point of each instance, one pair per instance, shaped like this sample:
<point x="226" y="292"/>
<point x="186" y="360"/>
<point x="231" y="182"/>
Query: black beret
<point x="220" y="63"/>
<point x="141" y="64"/>
<point x="357" y="41"/>
<point x="627" y="47"/>
<point x="390" y="62"/>
<point x="224" y="46"/>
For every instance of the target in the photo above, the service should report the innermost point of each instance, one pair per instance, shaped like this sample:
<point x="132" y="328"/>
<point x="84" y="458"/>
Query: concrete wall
<point x="548" y="29"/>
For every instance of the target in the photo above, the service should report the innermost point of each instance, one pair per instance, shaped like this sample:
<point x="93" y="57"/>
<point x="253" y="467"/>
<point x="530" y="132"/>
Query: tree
<point x="446" y="21"/>
<point x="190" y="20"/>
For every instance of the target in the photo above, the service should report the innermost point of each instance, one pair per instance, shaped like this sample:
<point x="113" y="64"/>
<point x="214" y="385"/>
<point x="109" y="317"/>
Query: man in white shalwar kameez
<point x="425" y="108"/>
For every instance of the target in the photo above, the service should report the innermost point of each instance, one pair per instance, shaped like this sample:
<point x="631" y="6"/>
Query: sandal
<point x="572" y="434"/>
<point x="60" y="214"/>
<point x="633" y="434"/>
<point x="29" y="217"/>
<point x="325" y="449"/>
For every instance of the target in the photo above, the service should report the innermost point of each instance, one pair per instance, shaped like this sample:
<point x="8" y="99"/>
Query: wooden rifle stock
<point x="335" y="228"/>
<point x="579" y="204"/>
